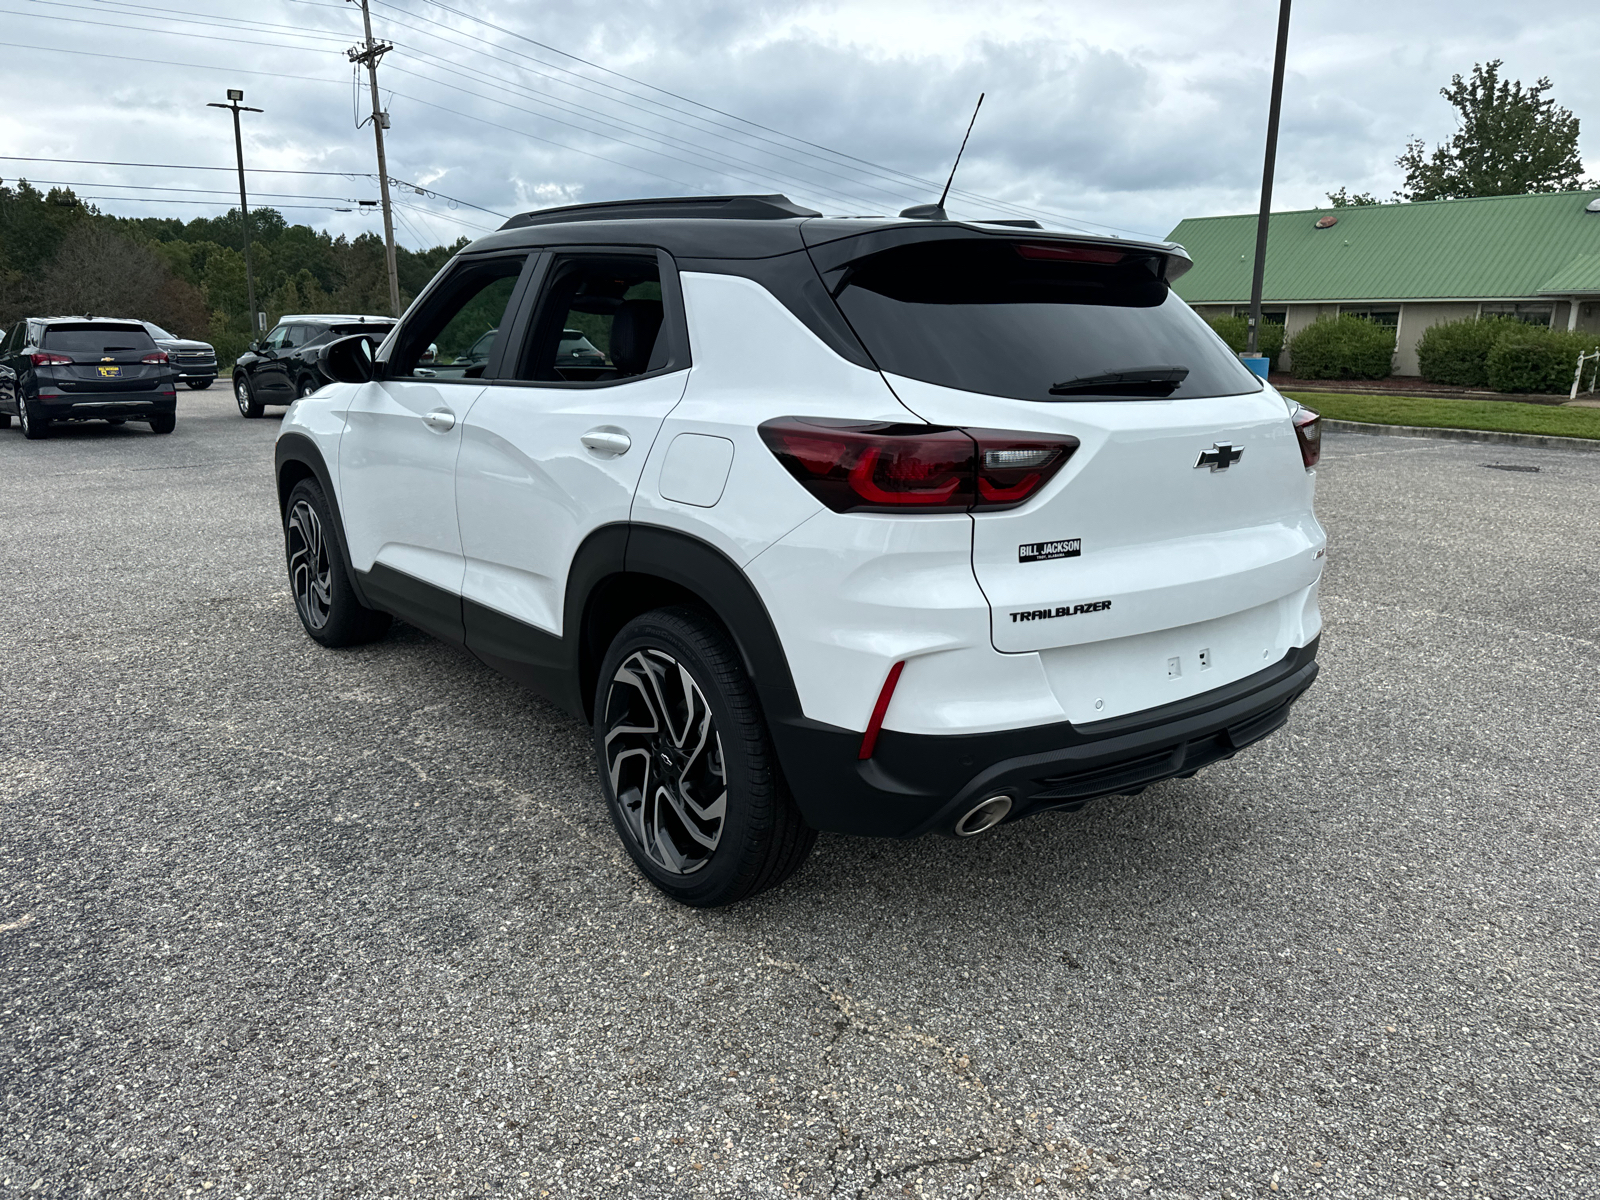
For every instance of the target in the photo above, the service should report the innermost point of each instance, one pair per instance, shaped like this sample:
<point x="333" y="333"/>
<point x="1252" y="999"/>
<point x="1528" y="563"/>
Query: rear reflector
<point x="1308" y="430"/>
<point x="884" y="467"/>
<point x="1083" y="254"/>
<point x="869" y="740"/>
<point x="42" y="359"/>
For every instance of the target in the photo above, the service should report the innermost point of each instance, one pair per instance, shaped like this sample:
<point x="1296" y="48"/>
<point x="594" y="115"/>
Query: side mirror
<point x="348" y="360"/>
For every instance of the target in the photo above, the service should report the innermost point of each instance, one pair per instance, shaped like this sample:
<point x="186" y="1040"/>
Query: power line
<point x="206" y="37"/>
<point x="139" y="187"/>
<point x="212" y="203"/>
<point x="95" y="162"/>
<point x="899" y="197"/>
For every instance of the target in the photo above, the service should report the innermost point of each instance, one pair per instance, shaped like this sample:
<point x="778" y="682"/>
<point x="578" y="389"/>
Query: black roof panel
<point x="744" y="208"/>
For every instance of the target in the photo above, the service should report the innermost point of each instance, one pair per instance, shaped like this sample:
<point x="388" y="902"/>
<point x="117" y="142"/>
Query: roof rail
<point x="739" y="208"/>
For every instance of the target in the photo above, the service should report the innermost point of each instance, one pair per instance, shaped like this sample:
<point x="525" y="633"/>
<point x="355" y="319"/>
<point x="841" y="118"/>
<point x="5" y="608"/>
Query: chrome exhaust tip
<point x="984" y="816"/>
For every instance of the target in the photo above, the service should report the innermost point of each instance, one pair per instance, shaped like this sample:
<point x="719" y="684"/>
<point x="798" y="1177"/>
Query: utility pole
<point x="369" y="54"/>
<point x="1266" y="176"/>
<point x="235" y="95"/>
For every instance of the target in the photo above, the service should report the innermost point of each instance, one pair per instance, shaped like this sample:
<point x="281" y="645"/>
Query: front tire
<point x="245" y="396"/>
<point x="33" y="425"/>
<point x="323" y="597"/>
<point x="687" y="766"/>
<point x="305" y="387"/>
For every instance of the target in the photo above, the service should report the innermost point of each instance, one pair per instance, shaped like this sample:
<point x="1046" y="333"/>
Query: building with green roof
<point x="1535" y="257"/>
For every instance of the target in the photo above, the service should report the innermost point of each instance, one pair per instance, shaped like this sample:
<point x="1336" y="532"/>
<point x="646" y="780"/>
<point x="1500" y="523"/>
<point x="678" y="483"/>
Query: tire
<point x="5" y="420"/>
<point x="675" y="666"/>
<point x="163" y="422"/>
<point x="196" y="385"/>
<point x="305" y="387"/>
<point x="116" y="420"/>
<point x="245" y="396"/>
<point x="33" y="425"/>
<point x="322" y="593"/>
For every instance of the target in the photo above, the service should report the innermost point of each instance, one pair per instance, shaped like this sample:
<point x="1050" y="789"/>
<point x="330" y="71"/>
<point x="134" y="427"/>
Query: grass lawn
<point x="1503" y="415"/>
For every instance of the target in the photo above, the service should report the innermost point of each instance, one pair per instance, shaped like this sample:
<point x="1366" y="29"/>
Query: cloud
<point x="1131" y="116"/>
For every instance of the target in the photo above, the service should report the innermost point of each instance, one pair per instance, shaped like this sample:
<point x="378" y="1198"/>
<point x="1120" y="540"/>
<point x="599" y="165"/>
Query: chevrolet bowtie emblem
<point x="1220" y="457"/>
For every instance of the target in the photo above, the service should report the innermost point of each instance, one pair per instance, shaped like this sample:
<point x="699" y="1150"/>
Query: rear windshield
<point x="1018" y="319"/>
<point x="96" y="339"/>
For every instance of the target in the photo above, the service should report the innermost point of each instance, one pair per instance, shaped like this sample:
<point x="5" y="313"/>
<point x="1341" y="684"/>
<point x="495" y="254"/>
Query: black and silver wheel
<point x="322" y="593"/>
<point x="305" y="387"/>
<point x="687" y="765"/>
<point x="33" y="425"/>
<point x="244" y="395"/>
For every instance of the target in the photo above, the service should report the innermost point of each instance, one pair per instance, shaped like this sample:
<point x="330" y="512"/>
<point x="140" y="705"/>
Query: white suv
<point x="878" y="526"/>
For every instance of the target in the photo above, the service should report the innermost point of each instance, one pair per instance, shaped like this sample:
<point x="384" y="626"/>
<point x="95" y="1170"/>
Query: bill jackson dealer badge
<point x="1039" y="551"/>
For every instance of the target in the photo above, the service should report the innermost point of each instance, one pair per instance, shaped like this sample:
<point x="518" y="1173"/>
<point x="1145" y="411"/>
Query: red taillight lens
<point x="1308" y="429"/>
<point x="43" y="359"/>
<point x="884" y="467"/>
<point x="853" y="467"/>
<point x="156" y="356"/>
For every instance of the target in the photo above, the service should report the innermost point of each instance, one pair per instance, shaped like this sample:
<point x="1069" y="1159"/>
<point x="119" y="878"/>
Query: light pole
<point x="234" y="96"/>
<point x="1266" y="177"/>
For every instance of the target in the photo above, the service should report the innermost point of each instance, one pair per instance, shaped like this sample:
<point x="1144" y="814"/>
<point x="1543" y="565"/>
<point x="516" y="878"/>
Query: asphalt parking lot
<point x="279" y="921"/>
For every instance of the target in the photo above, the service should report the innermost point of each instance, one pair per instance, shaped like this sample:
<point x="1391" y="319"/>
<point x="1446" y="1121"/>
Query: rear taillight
<point x="1308" y="430"/>
<point x="884" y="467"/>
<point x="43" y="359"/>
<point x="155" y="357"/>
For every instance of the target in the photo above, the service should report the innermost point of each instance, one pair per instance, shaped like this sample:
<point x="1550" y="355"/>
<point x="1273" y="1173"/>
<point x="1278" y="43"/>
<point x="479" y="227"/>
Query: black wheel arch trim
<point x="299" y="449"/>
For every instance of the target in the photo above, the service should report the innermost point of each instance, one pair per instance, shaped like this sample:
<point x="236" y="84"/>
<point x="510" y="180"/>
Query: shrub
<point x="1457" y="352"/>
<point x="1236" y="332"/>
<point x="1343" y="347"/>
<point x="1536" y="359"/>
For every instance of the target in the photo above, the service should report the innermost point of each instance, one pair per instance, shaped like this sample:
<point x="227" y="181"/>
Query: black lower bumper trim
<point x="917" y="783"/>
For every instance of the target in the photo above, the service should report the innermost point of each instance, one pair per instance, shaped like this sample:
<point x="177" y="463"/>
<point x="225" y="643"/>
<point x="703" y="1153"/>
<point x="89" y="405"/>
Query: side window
<point x="275" y="338"/>
<point x="598" y="319"/>
<point x="463" y="314"/>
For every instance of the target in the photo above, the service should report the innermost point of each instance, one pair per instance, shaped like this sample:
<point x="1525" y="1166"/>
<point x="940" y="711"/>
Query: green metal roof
<point x="1579" y="277"/>
<point x="1483" y="248"/>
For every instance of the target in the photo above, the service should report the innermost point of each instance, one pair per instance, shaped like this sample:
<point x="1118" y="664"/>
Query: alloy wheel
<point x="22" y="414"/>
<point x="663" y="754"/>
<point x="310" y="570"/>
<point x="241" y="393"/>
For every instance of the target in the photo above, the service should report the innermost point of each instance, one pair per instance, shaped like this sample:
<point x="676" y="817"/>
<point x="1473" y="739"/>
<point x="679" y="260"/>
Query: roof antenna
<point x="935" y="212"/>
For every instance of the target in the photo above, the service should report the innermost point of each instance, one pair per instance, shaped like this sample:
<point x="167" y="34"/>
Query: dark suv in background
<point x="81" y="369"/>
<point x="194" y="362"/>
<point x="282" y="366"/>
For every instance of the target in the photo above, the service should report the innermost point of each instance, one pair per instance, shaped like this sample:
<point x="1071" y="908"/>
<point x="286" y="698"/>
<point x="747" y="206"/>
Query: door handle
<point x="441" y="419"/>
<point x="607" y="441"/>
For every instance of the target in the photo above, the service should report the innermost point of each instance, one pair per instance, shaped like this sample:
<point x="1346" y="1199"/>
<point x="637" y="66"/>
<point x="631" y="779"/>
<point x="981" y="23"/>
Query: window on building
<point x="1387" y="317"/>
<point x="1531" y="314"/>
<point x="1269" y="316"/>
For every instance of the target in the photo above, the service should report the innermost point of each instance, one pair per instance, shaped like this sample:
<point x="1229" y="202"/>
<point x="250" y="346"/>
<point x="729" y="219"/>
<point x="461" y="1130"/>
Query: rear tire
<point x="323" y="597"/>
<point x="33" y="425"/>
<point x="5" y="420"/>
<point x="305" y="387"/>
<point x="687" y="766"/>
<point x="245" y="396"/>
<point x="197" y="384"/>
<point x="163" y="422"/>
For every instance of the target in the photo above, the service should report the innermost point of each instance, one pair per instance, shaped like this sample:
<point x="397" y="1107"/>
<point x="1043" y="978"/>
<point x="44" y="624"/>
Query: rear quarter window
<point x="1014" y="319"/>
<point x="96" y="339"/>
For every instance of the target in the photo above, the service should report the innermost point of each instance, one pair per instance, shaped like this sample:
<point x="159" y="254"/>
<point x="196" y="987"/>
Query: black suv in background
<point x="282" y="366"/>
<point x="83" y="369"/>
<point x="194" y="362"/>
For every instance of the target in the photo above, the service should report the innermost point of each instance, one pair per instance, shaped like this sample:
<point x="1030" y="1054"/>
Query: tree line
<point x="60" y="255"/>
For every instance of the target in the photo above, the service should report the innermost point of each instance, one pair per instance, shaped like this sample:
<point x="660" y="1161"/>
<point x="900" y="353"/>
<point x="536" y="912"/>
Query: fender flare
<point x="297" y="448"/>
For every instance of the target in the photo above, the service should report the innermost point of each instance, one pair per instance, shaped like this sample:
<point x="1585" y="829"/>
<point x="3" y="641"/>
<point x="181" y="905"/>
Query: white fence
<point x="1577" y="376"/>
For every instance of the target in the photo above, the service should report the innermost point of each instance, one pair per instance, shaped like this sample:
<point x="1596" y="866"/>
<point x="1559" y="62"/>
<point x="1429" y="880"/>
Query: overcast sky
<point x="1132" y="114"/>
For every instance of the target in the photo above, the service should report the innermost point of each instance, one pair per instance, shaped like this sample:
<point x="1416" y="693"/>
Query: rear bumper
<point x="920" y="783"/>
<point x="91" y="406"/>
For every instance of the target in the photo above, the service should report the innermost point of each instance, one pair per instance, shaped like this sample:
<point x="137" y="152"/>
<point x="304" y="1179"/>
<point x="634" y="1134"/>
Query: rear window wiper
<point x="1154" y="382"/>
